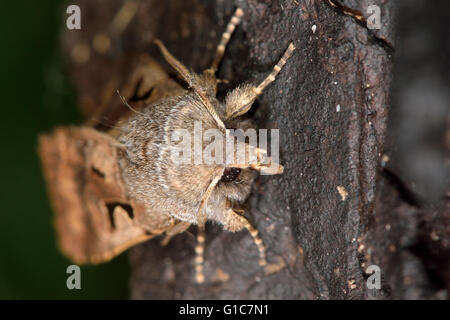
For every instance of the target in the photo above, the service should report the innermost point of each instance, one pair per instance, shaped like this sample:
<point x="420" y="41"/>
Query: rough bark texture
<point x="333" y="212"/>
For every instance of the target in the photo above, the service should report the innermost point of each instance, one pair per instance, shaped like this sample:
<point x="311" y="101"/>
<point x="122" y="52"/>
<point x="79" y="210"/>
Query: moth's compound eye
<point x="230" y="174"/>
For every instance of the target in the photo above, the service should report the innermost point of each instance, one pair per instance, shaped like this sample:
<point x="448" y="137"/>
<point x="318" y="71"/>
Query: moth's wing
<point x="101" y="58"/>
<point x="94" y="218"/>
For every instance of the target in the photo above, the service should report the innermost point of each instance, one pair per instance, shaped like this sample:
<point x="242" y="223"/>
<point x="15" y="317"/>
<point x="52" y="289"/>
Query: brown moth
<point x="115" y="188"/>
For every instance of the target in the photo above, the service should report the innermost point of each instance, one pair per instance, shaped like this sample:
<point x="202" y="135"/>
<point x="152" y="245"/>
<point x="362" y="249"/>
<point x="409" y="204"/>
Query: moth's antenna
<point x="201" y="221"/>
<point x="124" y="101"/>
<point x="199" y="254"/>
<point x="201" y="216"/>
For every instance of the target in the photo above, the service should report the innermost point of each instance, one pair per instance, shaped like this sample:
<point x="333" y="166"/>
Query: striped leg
<point x="201" y="216"/>
<point x="236" y="221"/>
<point x="235" y="20"/>
<point x="191" y="79"/>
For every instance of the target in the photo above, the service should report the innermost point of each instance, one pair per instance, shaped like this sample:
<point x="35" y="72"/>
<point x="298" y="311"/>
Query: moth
<point x="116" y="187"/>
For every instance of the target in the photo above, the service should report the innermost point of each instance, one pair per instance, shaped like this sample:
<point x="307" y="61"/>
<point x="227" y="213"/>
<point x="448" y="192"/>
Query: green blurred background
<point x="36" y="96"/>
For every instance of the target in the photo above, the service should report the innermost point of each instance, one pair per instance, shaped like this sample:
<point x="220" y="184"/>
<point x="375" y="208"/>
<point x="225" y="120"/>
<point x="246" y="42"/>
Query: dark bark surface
<point x="333" y="212"/>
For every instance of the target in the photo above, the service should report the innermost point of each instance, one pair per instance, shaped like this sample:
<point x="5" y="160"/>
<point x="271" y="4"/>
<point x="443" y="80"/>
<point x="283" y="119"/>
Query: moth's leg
<point x="234" y="21"/>
<point x="241" y="99"/>
<point x="199" y="254"/>
<point x="235" y="221"/>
